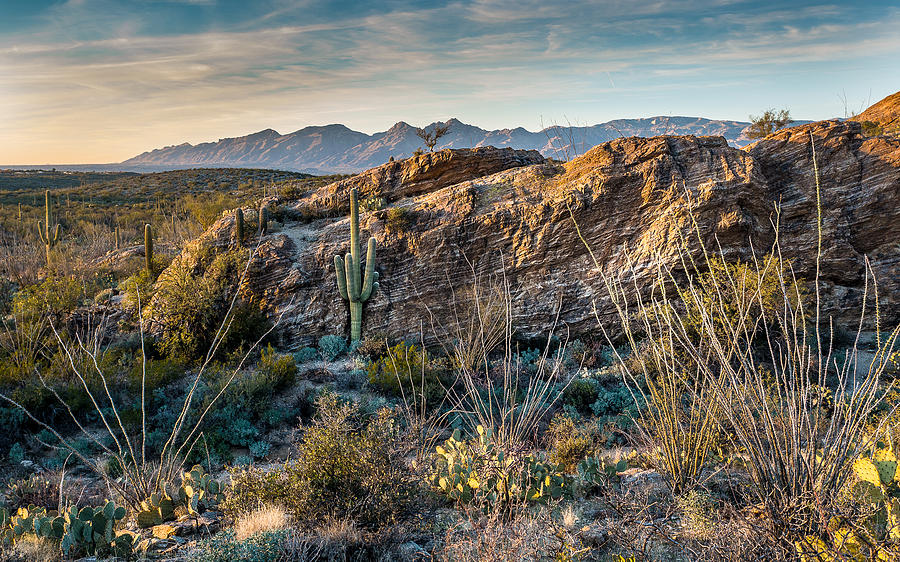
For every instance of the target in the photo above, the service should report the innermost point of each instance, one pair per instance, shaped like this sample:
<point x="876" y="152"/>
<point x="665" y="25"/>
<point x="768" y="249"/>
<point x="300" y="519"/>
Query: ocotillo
<point x="350" y="285"/>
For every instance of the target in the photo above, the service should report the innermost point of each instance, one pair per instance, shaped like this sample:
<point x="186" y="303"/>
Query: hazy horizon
<point x="100" y="81"/>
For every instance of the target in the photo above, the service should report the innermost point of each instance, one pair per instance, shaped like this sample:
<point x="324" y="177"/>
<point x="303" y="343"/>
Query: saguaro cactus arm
<point x="341" y="277"/>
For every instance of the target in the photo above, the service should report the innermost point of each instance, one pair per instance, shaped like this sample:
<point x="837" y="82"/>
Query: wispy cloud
<point x="99" y="80"/>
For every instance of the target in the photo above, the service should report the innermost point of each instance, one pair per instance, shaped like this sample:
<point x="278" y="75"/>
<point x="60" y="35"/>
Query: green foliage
<point x="581" y="394"/>
<point x="260" y="449"/>
<point x="345" y="467"/>
<point x="397" y="220"/>
<point x="54" y="296"/>
<point x="331" y="347"/>
<point x="409" y="372"/>
<point x="156" y="373"/>
<point x="189" y="308"/>
<point x="267" y="546"/>
<point x="305" y="355"/>
<point x="767" y="123"/>
<point x="277" y="370"/>
<point x="16" y="453"/>
<point x="477" y="471"/>
<point x="567" y="443"/>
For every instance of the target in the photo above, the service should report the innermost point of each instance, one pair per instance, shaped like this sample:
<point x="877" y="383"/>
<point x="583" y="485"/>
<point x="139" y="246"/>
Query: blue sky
<point x="101" y="80"/>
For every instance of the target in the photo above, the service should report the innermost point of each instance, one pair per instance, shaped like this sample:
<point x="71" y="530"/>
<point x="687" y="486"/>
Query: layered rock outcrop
<point x="456" y="215"/>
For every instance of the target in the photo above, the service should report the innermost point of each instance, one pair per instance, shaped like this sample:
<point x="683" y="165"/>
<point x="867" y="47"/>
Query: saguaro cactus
<point x="118" y="238"/>
<point x="44" y="232"/>
<point x="239" y="227"/>
<point x="263" y="219"/>
<point x="148" y="248"/>
<point x="349" y="272"/>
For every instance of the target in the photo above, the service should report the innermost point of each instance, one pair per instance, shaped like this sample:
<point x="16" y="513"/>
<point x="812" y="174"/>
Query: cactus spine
<point x="239" y="227"/>
<point x="148" y="248"/>
<point x="263" y="219"/>
<point x="349" y="271"/>
<point x="44" y="232"/>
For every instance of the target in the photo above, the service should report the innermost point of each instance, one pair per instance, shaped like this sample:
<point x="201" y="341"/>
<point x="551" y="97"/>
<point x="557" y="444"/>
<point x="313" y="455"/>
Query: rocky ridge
<point x="454" y="215"/>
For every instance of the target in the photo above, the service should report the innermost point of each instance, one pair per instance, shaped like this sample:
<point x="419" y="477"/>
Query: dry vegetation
<point x="721" y="418"/>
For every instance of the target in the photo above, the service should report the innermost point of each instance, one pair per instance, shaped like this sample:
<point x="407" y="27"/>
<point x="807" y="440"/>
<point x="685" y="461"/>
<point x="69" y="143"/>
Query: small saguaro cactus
<point x="44" y="231"/>
<point x="263" y="219"/>
<point x="239" y="227"/>
<point x="349" y="272"/>
<point x="118" y="238"/>
<point x="148" y="248"/>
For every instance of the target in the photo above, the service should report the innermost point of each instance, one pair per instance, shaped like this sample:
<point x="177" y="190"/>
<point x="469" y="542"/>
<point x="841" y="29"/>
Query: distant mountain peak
<point x="337" y="148"/>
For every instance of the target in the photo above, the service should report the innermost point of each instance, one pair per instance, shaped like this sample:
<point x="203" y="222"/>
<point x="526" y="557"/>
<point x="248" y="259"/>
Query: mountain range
<point x="338" y="149"/>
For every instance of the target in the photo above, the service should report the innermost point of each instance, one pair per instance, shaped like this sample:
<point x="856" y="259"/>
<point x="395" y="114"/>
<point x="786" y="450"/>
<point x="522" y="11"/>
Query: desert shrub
<point x="567" y="443"/>
<point x="345" y="467"/>
<point x="278" y="370"/>
<point x="260" y="449"/>
<point x="331" y="347"/>
<point x="408" y="371"/>
<point x="372" y="345"/>
<point x="156" y="374"/>
<point x="305" y="355"/>
<point x="190" y="308"/>
<point x="397" y="219"/>
<point x="767" y="123"/>
<point x="16" y="453"/>
<point x="55" y="296"/>
<point x="581" y="394"/>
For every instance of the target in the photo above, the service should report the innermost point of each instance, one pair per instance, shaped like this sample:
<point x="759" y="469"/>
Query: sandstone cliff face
<point x="454" y="215"/>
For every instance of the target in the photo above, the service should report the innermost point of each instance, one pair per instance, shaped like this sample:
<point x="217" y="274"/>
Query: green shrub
<point x="55" y="296"/>
<point x="16" y="453"/>
<point x="409" y="372"/>
<point x="260" y="449"/>
<point x="397" y="219"/>
<point x="580" y="395"/>
<point x="159" y="373"/>
<point x="568" y="444"/>
<point x="267" y="546"/>
<point x="331" y="347"/>
<point x="190" y="308"/>
<point x="345" y="468"/>
<point x="305" y="355"/>
<point x="277" y="370"/>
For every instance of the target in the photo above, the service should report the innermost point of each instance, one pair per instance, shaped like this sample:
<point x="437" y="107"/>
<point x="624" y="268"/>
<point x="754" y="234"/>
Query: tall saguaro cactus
<point x="44" y="231"/>
<point x="352" y="286"/>
<point x="148" y="248"/>
<point x="239" y="227"/>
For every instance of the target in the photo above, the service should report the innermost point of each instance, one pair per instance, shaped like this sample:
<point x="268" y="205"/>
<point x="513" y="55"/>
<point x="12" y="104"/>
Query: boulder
<point x="553" y="230"/>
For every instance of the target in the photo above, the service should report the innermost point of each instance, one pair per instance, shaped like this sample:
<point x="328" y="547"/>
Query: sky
<point x="95" y="81"/>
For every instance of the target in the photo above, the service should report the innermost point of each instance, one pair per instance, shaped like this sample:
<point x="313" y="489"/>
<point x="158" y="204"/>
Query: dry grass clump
<point x="32" y="548"/>
<point x="269" y="518"/>
<point x="524" y="536"/>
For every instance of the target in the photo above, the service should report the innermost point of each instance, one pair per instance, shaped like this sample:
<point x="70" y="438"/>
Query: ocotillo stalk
<point x="148" y="248"/>
<point x="239" y="227"/>
<point x="48" y="240"/>
<point x="350" y="285"/>
<point x="263" y="219"/>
